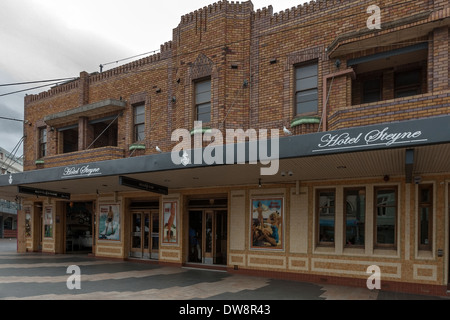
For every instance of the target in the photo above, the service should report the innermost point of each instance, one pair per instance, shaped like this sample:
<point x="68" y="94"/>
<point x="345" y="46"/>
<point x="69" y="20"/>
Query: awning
<point x="90" y="110"/>
<point x="392" y="32"/>
<point x="412" y="147"/>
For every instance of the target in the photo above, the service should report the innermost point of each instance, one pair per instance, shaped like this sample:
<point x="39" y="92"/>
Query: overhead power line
<point x="129" y="58"/>
<point x="11" y="119"/>
<point x="29" y="89"/>
<point x="37" y="81"/>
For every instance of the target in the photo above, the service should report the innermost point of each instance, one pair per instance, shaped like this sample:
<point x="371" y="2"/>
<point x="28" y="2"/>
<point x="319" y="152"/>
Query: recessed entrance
<point x="144" y="234"/>
<point x="79" y="227"/>
<point x="207" y="233"/>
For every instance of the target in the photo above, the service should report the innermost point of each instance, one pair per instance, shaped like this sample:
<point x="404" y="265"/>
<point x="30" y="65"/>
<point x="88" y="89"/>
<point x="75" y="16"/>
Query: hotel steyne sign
<point x="384" y="138"/>
<point x="80" y="171"/>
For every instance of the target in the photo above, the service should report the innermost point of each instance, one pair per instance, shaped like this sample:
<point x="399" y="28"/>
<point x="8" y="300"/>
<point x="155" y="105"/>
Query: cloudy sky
<point x="53" y="39"/>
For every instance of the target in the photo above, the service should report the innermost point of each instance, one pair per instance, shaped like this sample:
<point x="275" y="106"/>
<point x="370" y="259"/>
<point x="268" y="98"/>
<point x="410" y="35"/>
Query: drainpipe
<point x="325" y="92"/>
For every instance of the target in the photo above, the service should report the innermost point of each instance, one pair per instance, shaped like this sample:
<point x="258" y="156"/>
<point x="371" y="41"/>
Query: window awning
<point x="392" y="32"/>
<point x="89" y="110"/>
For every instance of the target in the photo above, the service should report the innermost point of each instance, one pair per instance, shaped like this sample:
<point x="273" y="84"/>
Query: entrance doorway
<point x="145" y="234"/>
<point x="79" y="227"/>
<point x="38" y="225"/>
<point x="208" y="237"/>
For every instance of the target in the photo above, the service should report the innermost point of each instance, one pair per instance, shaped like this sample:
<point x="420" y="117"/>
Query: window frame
<point x="430" y="206"/>
<point x="42" y="142"/>
<point x="62" y="138"/>
<point x="136" y="124"/>
<point x="375" y="215"/>
<point x="202" y="103"/>
<point x="404" y="88"/>
<point x="363" y="89"/>
<point x="297" y="67"/>
<point x="320" y="242"/>
<point x="345" y="192"/>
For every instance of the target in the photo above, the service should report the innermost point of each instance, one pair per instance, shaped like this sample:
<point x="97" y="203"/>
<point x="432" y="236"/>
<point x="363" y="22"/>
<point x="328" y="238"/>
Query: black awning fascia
<point x="404" y="134"/>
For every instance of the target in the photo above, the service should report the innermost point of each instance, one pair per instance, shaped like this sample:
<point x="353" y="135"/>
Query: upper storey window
<point x="42" y="142"/>
<point x="139" y="122"/>
<point x="389" y="75"/>
<point x="408" y="83"/>
<point x="203" y="101"/>
<point x="306" y="92"/>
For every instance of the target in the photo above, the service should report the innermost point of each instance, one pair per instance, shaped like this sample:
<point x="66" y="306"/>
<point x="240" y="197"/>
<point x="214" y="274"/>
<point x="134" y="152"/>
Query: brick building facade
<point x="329" y="213"/>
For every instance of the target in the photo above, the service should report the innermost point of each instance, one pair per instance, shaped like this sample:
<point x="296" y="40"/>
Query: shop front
<point x="341" y="201"/>
<point x="207" y="229"/>
<point x="144" y="232"/>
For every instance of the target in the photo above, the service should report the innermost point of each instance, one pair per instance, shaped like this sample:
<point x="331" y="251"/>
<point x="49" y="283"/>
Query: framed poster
<point x="27" y="221"/>
<point x="267" y="216"/>
<point x="170" y="234"/>
<point x="109" y="222"/>
<point x="48" y="222"/>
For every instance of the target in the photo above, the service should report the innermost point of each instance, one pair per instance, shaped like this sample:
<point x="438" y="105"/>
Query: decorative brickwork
<point x="250" y="56"/>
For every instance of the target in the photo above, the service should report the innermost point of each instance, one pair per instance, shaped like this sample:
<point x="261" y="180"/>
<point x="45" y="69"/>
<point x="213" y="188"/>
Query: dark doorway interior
<point x="195" y="236"/>
<point x="79" y="227"/>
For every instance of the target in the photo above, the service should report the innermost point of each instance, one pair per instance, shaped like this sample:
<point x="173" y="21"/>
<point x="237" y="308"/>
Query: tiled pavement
<point x="44" y="277"/>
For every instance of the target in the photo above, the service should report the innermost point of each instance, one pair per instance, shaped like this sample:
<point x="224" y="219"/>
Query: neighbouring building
<point x="9" y="164"/>
<point x="115" y="165"/>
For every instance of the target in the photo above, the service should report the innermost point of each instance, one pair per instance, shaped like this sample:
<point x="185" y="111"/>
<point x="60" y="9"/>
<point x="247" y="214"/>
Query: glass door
<point x="154" y="245"/>
<point x="40" y="226"/>
<point x="220" y="247"/>
<point x="195" y="236"/>
<point x="208" y="237"/>
<point x="136" y="235"/>
<point x="140" y="235"/>
<point x="145" y="235"/>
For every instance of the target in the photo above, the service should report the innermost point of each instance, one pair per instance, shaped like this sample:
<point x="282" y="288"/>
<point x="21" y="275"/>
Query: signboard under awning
<point x="43" y="193"/>
<point x="142" y="185"/>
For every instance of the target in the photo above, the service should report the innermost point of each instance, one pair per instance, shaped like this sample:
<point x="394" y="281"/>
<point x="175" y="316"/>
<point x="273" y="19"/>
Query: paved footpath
<point x="34" y="276"/>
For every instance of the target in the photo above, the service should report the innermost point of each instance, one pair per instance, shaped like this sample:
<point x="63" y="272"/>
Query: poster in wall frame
<point x="109" y="222"/>
<point x="48" y="222"/>
<point x="266" y="223"/>
<point x="170" y="215"/>
<point x="28" y="221"/>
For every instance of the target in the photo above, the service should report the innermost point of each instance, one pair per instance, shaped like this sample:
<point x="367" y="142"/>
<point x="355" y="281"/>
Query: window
<point x="203" y="101"/>
<point x="355" y="216"/>
<point x="104" y="131"/>
<point x="326" y="216"/>
<point x="69" y="136"/>
<point x="371" y="90"/>
<point x="139" y="122"/>
<point x="306" y="93"/>
<point x="42" y="142"/>
<point x="425" y="216"/>
<point x="385" y="217"/>
<point x="408" y="83"/>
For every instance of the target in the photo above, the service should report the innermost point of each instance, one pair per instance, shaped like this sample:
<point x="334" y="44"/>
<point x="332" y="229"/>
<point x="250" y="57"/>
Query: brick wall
<point x="250" y="56"/>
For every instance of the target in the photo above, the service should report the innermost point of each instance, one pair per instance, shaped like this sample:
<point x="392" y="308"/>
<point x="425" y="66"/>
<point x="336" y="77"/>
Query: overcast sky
<point x="52" y="39"/>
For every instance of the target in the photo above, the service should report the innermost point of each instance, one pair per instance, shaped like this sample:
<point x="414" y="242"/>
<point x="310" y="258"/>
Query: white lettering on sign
<point x="84" y="171"/>
<point x="383" y="137"/>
